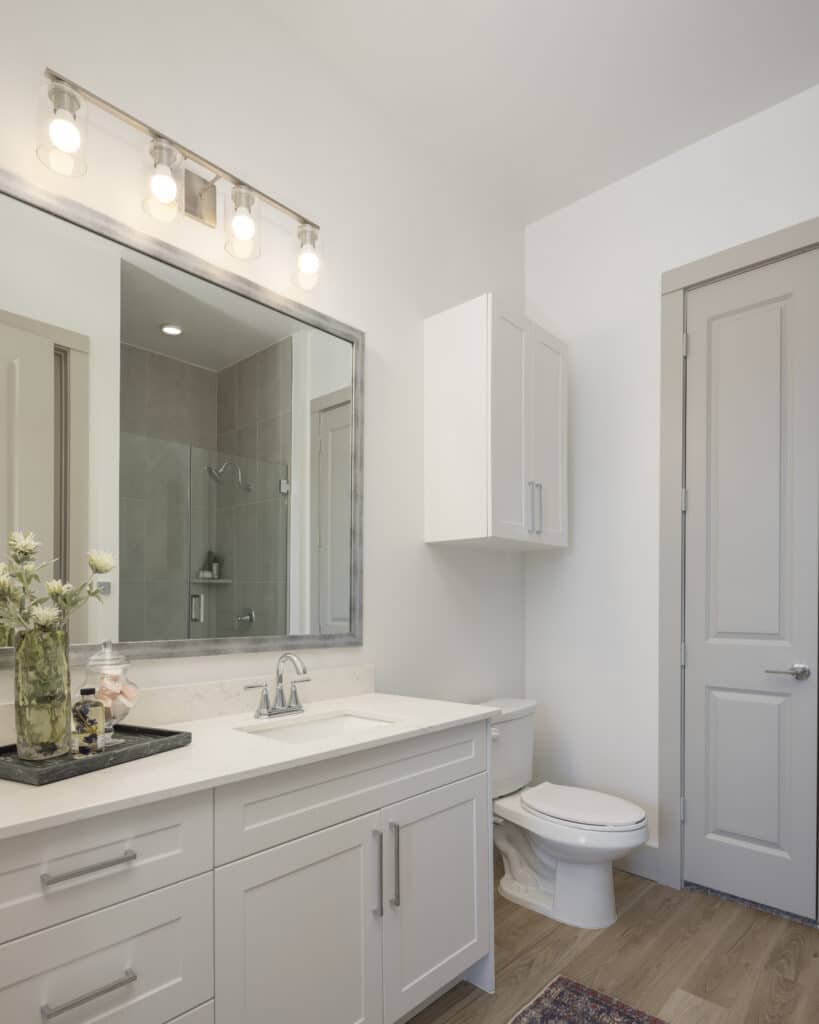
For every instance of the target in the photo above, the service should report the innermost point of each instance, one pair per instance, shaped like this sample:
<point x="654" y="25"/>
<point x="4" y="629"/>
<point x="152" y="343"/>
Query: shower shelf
<point x="210" y="583"/>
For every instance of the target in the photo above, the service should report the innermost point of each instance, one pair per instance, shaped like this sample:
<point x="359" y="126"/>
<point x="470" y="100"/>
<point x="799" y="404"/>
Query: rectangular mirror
<point x="203" y="429"/>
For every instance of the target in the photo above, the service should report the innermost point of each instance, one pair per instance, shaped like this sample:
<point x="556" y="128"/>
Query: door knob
<point x="797" y="671"/>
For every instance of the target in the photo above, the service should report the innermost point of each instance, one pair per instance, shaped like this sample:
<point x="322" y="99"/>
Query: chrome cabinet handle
<point x="379" y="906"/>
<point x="531" y="527"/>
<point x="396" y="831"/>
<point x="100" y="865"/>
<point x="50" y="1012"/>
<point x="540" y="507"/>
<point x="797" y="671"/>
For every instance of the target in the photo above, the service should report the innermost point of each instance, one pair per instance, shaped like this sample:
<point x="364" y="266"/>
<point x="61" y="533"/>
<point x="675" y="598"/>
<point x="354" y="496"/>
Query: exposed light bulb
<point x="64" y="133"/>
<point x="308" y="259"/>
<point x="62" y="143"/>
<point x="243" y="225"/>
<point x="163" y="186"/>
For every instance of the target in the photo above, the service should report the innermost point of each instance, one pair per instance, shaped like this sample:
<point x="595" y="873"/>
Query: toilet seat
<point x="582" y="808"/>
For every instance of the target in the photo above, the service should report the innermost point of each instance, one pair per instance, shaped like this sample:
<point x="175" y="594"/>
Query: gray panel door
<point x="751" y="585"/>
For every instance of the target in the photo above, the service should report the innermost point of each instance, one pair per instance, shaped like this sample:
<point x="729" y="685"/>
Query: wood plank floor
<point x="687" y="957"/>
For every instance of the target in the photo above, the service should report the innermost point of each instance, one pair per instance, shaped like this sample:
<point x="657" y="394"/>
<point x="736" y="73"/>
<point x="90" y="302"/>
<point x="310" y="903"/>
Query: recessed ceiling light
<point x="173" y="329"/>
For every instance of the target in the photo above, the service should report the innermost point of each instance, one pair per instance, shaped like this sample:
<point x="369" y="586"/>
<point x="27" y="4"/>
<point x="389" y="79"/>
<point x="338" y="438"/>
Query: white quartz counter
<point x="222" y="752"/>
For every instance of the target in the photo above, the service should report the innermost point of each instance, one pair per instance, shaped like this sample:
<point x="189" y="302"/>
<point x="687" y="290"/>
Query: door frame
<point x="675" y="284"/>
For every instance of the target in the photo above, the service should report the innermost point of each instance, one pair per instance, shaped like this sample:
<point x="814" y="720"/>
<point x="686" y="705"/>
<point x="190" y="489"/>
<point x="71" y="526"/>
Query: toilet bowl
<point x="558" y="843"/>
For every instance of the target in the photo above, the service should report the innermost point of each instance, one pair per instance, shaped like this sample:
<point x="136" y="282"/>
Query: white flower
<point x="22" y="546"/>
<point x="57" y="589"/>
<point x="44" y="617"/>
<point x="100" y="561"/>
<point x="6" y="584"/>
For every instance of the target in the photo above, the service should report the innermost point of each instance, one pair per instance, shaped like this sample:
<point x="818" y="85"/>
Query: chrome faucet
<point x="280" y="706"/>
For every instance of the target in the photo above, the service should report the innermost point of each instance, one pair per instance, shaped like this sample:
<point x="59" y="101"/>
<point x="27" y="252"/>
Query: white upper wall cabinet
<point x="495" y="429"/>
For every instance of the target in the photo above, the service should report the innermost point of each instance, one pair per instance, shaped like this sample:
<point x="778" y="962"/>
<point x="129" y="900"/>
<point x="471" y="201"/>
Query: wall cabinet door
<point x="298" y="932"/>
<point x="437" y="858"/>
<point x="495" y="429"/>
<point x="510" y="512"/>
<point x="545" y="428"/>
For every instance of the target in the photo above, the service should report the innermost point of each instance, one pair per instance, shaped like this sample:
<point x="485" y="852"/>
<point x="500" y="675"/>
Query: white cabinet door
<point x="546" y="425"/>
<point x="437" y="854"/>
<point x="510" y="512"/>
<point x="298" y="931"/>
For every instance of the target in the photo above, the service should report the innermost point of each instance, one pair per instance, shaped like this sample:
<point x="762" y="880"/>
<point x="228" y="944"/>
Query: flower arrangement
<point x="21" y="608"/>
<point x="35" y="617"/>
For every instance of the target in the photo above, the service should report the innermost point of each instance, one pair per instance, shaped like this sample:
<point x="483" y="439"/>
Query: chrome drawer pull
<point x="123" y="858"/>
<point x="396" y="831"/>
<point x="539" y="530"/>
<point x="50" y="1012"/>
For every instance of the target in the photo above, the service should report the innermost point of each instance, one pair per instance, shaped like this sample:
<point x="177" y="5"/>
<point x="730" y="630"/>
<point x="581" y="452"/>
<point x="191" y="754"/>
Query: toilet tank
<point x="513" y="738"/>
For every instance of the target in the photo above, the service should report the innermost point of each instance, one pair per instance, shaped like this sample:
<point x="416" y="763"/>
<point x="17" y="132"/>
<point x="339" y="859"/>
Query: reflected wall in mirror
<point x="204" y="436"/>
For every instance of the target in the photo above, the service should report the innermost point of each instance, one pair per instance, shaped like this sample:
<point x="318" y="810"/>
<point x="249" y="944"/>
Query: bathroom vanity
<point x="330" y="867"/>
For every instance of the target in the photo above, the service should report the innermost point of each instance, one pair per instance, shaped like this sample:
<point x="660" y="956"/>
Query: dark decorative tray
<point x="138" y="741"/>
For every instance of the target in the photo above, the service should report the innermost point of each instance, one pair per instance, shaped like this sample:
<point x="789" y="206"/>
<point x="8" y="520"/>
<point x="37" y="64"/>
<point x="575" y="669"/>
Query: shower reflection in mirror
<point x="218" y="466"/>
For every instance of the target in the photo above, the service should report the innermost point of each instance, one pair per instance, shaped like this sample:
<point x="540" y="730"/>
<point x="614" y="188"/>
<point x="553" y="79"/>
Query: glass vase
<point x="42" y="694"/>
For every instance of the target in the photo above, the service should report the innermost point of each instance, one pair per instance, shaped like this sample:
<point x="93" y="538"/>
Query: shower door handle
<point x="197" y="607"/>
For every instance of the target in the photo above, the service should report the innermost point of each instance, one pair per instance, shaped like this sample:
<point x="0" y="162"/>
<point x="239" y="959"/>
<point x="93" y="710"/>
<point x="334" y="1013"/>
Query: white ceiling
<point x="530" y="104"/>
<point x="219" y="328"/>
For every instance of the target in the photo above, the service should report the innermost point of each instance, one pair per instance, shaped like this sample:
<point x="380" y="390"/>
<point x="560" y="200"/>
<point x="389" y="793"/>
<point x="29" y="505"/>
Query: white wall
<point x="593" y="277"/>
<point x="396" y="246"/>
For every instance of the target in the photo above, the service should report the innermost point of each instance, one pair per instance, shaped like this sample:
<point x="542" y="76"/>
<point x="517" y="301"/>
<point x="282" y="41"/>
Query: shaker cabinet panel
<point x="437" y="858"/>
<point x="51" y="876"/>
<point x="508" y="511"/>
<point x="298" y="931"/>
<point x="140" y="962"/>
<point x="495" y="430"/>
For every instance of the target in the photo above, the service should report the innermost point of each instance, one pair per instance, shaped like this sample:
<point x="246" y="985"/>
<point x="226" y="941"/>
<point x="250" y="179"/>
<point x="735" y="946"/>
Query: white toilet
<point x="558" y="843"/>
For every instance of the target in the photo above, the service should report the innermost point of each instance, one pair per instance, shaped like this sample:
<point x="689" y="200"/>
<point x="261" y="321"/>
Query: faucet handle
<point x="263" y="707"/>
<point x="294" y="703"/>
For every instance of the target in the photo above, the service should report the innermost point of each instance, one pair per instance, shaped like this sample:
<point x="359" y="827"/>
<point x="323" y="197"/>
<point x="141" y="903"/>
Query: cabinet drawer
<point x="261" y="813"/>
<point x="143" y="961"/>
<point x="51" y="876"/>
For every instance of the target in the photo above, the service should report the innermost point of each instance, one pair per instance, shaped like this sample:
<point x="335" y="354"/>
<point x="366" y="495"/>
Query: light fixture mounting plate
<point x="200" y="198"/>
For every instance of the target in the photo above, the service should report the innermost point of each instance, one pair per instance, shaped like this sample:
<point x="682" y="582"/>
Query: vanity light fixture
<point x="308" y="260"/>
<point x="172" y="329"/>
<point x="165" y="182"/>
<point x="171" y="185"/>
<point x="61" y="149"/>
<point x="242" y="224"/>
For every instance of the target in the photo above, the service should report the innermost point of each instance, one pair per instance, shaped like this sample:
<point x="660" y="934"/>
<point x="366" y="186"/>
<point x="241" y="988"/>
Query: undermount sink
<point x="329" y="727"/>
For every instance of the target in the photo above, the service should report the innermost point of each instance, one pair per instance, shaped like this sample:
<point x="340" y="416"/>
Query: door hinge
<point x="682" y="809"/>
<point x="682" y="654"/>
<point x="284" y="486"/>
<point x="685" y="345"/>
<point x="684" y="500"/>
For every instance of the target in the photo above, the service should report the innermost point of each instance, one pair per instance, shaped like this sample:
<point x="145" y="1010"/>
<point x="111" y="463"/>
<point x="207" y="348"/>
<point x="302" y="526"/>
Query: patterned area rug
<point x="564" y="1001"/>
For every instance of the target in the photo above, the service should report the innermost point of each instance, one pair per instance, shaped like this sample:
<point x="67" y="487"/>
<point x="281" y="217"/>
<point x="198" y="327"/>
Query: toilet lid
<point x="581" y="806"/>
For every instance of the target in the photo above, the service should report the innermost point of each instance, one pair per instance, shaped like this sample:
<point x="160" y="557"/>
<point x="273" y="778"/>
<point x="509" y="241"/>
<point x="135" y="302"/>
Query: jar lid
<point x="107" y="657"/>
<point x="86" y="691"/>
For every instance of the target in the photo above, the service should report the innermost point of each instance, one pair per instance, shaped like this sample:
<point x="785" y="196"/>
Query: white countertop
<point x="219" y="753"/>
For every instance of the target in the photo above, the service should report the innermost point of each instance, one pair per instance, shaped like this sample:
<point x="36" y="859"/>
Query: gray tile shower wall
<point x="167" y="399"/>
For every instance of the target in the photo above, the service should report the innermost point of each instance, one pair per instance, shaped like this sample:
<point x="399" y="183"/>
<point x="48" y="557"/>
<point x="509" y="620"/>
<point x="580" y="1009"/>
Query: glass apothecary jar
<point x="107" y="672"/>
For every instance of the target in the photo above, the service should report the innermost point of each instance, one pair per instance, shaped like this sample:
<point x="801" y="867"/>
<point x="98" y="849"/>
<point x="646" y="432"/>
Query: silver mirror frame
<point x="100" y="224"/>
